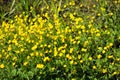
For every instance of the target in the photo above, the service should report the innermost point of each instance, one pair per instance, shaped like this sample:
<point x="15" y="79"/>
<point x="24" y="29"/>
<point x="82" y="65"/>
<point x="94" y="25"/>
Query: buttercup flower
<point x="40" y="66"/>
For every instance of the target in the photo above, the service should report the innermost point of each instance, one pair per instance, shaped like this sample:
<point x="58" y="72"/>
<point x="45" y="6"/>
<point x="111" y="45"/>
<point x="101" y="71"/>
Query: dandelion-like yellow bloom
<point x="94" y="67"/>
<point x="55" y="51"/>
<point x="79" y="56"/>
<point x="64" y="65"/>
<point x="60" y="54"/>
<point x="71" y="16"/>
<point x="104" y="71"/>
<point x="114" y="73"/>
<point x="46" y="59"/>
<point x="82" y="27"/>
<point x="90" y="58"/>
<point x="71" y="50"/>
<point x="85" y="43"/>
<point x="14" y="58"/>
<point x="94" y="5"/>
<point x="111" y="44"/>
<point x="2" y="66"/>
<point x="50" y="25"/>
<point x="110" y="14"/>
<point x="68" y="56"/>
<point x="105" y="48"/>
<point x="32" y="54"/>
<point x="71" y="62"/>
<point x="81" y="61"/>
<point x="99" y="56"/>
<point x="103" y="51"/>
<point x="9" y="48"/>
<point x="53" y="68"/>
<point x="102" y="9"/>
<point x="73" y="79"/>
<point x="99" y="14"/>
<point x="40" y="66"/>
<point x="13" y="63"/>
<point x="3" y="50"/>
<point x="99" y="48"/>
<point x="34" y="47"/>
<point x="83" y="50"/>
<point x="98" y="34"/>
<point x="22" y="49"/>
<point x="0" y="55"/>
<point x="25" y="63"/>
<point x="111" y="56"/>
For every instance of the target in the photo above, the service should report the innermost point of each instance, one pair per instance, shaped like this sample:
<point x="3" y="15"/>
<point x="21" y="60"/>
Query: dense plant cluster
<point x="65" y="40"/>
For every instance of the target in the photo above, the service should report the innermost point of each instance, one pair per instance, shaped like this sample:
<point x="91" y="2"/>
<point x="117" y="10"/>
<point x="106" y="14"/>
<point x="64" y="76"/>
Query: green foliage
<point x="60" y="40"/>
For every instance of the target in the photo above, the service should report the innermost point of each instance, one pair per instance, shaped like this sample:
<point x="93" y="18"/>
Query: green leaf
<point x="14" y="72"/>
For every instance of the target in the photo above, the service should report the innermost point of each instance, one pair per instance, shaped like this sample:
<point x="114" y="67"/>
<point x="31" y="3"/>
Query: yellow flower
<point x="2" y="66"/>
<point x="98" y="34"/>
<point x="34" y="47"/>
<point x="119" y="37"/>
<point x="46" y="59"/>
<point x="55" y="51"/>
<point x="108" y="32"/>
<point x="41" y="54"/>
<point x="99" y="14"/>
<point x="105" y="48"/>
<point x="111" y="44"/>
<point x="71" y="16"/>
<point x="94" y="67"/>
<point x="75" y="63"/>
<point x="90" y="58"/>
<point x="60" y="54"/>
<point x="118" y="59"/>
<point x="73" y="79"/>
<point x="110" y="14"/>
<point x="36" y="54"/>
<point x="9" y="48"/>
<point x="32" y="54"/>
<point x="99" y="56"/>
<point x="81" y="61"/>
<point x="63" y="51"/>
<point x="94" y="5"/>
<point x="103" y="51"/>
<point x="85" y="43"/>
<point x="102" y="9"/>
<point x="25" y="63"/>
<point x="104" y="70"/>
<point x="49" y="46"/>
<point x="14" y="58"/>
<point x="99" y="48"/>
<point x="65" y="65"/>
<point x="82" y="27"/>
<point x="3" y="50"/>
<point x="68" y="56"/>
<point x="13" y="63"/>
<point x="114" y="73"/>
<point x="50" y="25"/>
<point x="111" y="56"/>
<point x="71" y="62"/>
<point x="81" y="5"/>
<point x="60" y="48"/>
<point x="22" y="49"/>
<point x="71" y="50"/>
<point x="79" y="56"/>
<point x="53" y="68"/>
<point x="83" y="50"/>
<point x="40" y="66"/>
<point x="106" y="26"/>
<point x="0" y="55"/>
